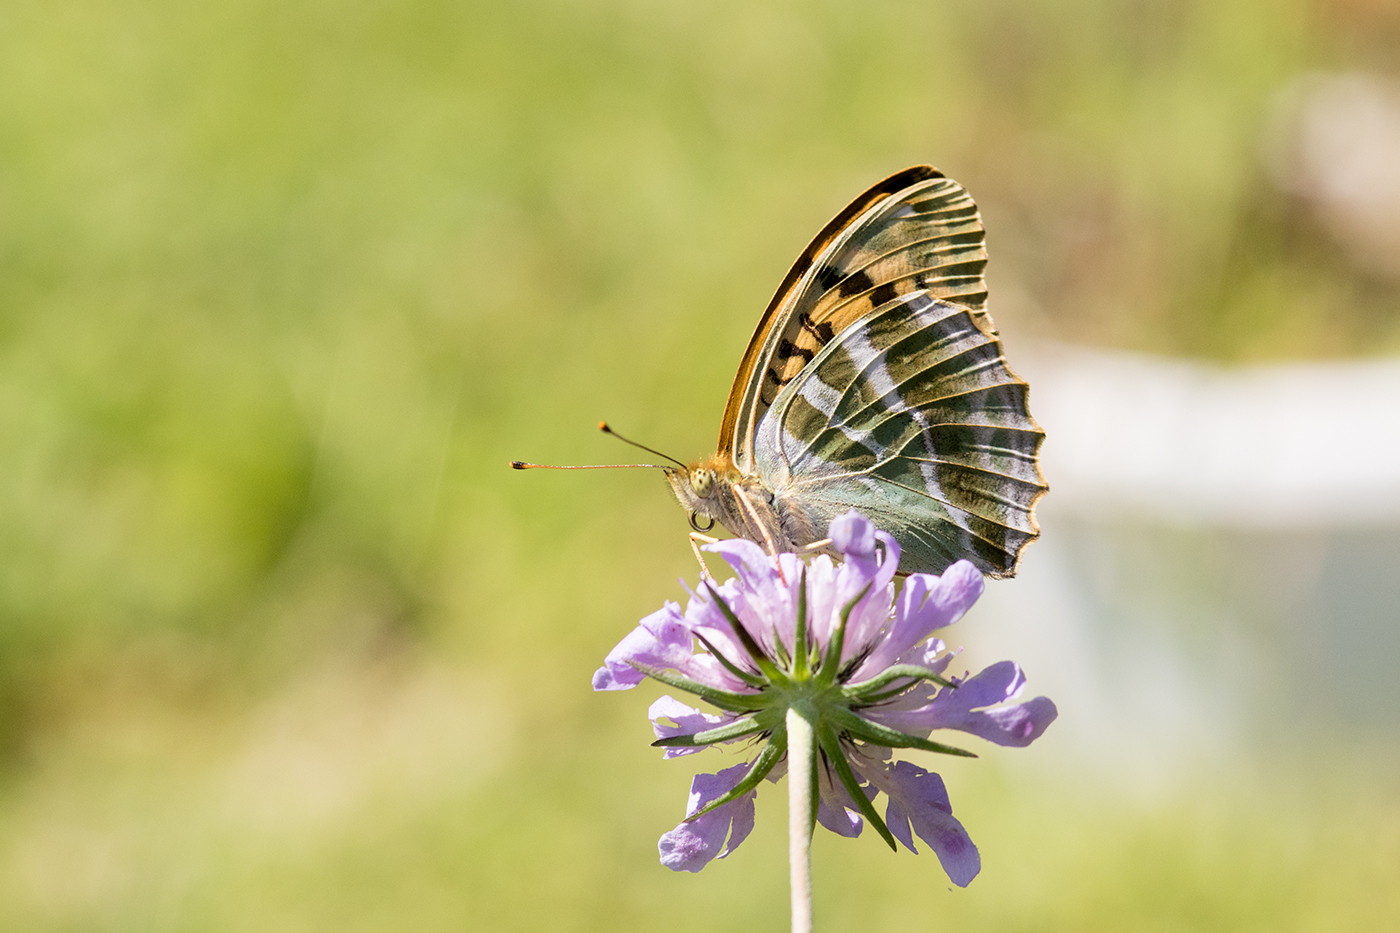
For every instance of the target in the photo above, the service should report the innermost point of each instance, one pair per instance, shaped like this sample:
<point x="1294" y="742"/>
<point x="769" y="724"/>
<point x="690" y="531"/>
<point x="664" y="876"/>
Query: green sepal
<point x="861" y="728"/>
<point x="799" y="637"/>
<point x="868" y="691"/>
<point x="831" y="744"/>
<point x="816" y="796"/>
<point x="730" y="730"/>
<point x="724" y="699"/>
<point x="780" y="649"/>
<point x="772" y="753"/>
<point x="827" y="673"/>
<point x="760" y="660"/>
<point x="753" y="680"/>
<point x="882" y="697"/>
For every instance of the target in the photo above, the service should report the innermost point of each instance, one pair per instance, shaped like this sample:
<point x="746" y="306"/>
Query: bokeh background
<point x="283" y="285"/>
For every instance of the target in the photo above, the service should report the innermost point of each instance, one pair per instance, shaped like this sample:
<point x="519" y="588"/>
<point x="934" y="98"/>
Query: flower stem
<point x="801" y="752"/>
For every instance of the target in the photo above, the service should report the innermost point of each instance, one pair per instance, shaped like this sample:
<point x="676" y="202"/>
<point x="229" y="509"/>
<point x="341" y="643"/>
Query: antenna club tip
<point x="603" y="426"/>
<point x="517" y="464"/>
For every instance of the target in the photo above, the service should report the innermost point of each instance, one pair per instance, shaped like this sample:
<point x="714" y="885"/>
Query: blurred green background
<point x="283" y="285"/>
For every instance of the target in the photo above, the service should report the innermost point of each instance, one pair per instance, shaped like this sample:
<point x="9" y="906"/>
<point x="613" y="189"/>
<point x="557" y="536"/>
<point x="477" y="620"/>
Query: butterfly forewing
<point x="910" y="415"/>
<point x="916" y="231"/>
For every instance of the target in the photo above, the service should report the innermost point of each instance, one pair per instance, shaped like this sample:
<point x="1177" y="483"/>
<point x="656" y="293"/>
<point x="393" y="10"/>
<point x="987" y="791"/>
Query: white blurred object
<point x="1188" y="443"/>
<point x="1335" y="142"/>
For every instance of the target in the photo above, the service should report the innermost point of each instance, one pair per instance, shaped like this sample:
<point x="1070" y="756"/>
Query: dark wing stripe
<point x="916" y="230"/>
<point x="955" y="366"/>
<point x="987" y="400"/>
<point x="915" y="397"/>
<point x="843" y="304"/>
<point x="1008" y="477"/>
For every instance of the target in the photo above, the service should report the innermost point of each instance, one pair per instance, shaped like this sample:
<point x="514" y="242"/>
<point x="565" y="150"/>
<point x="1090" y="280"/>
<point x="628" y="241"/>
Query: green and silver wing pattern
<point x="910" y="415"/>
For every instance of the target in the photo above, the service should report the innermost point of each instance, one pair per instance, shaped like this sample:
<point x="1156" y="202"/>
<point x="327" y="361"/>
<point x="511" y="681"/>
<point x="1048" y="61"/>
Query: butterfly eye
<point x="702" y="483"/>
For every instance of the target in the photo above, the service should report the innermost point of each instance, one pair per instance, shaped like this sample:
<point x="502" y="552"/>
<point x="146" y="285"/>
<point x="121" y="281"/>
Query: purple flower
<point x="854" y="656"/>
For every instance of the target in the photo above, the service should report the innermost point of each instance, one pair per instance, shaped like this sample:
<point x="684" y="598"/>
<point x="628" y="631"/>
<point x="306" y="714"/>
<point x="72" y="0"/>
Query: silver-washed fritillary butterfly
<point x="875" y="381"/>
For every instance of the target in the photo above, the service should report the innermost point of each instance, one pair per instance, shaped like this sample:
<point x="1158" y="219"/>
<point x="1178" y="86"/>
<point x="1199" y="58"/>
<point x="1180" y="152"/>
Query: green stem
<point x="801" y="770"/>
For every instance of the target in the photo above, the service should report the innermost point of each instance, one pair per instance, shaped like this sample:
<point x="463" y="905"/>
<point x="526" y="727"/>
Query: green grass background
<point x="283" y="285"/>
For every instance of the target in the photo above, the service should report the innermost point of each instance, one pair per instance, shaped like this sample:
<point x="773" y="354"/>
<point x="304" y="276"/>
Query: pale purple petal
<point x="838" y="819"/>
<point x="1016" y="726"/>
<point x="746" y="557"/>
<point x="691" y="846"/>
<point x="741" y="823"/>
<point x="688" y="721"/>
<point x="929" y="656"/>
<point x="821" y="598"/>
<point x="868" y="617"/>
<point x="783" y="608"/>
<point x="835" y="808"/>
<point x="661" y="640"/>
<point x="918" y="799"/>
<point x="963" y="709"/>
<point x="853" y="535"/>
<point x="871" y="560"/>
<point x="767" y="588"/>
<point x="705" y="617"/>
<point x="705" y="669"/>
<point x="926" y="604"/>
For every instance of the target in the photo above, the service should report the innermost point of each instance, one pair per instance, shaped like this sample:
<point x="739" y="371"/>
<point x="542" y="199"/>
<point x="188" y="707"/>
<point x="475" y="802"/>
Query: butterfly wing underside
<point x="911" y="416"/>
<point x="916" y="231"/>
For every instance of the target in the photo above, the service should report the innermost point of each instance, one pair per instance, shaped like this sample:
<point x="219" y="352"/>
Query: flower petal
<point x="691" y="846"/>
<point x="871" y="561"/>
<point x="962" y="709"/>
<point x="918" y="798"/>
<point x="853" y="535"/>
<point x="767" y="588"/>
<point x="840" y="820"/>
<point x="688" y="721"/>
<point x="926" y="604"/>
<point x="705" y="617"/>
<point x="821" y="600"/>
<point x="661" y="640"/>
<point x="835" y="808"/>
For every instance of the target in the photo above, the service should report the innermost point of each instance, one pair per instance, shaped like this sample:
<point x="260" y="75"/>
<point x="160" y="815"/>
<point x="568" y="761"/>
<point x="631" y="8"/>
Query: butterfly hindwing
<point x="916" y="231"/>
<point x="910" y="415"/>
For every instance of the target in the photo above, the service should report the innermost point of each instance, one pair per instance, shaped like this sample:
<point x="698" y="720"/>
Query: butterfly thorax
<point x="711" y="489"/>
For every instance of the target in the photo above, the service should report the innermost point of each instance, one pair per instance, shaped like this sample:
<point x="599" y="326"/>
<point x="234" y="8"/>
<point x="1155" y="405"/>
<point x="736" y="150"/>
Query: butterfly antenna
<point x="522" y="465"/>
<point x="606" y="429"/>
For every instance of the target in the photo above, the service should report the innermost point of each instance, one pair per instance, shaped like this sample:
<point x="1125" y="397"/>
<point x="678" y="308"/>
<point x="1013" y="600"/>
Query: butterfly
<point x="875" y="381"/>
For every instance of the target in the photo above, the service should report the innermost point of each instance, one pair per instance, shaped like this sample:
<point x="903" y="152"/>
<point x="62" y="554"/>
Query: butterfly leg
<point x="815" y="547"/>
<point x="697" y="539"/>
<point x="743" y="498"/>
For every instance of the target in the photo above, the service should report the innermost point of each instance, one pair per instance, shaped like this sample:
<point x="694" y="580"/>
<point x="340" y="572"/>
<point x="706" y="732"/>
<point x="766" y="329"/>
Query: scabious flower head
<point x="855" y="657"/>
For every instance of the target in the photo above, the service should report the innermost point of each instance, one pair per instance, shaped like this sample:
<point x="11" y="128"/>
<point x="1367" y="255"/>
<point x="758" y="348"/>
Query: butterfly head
<point x="698" y="486"/>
